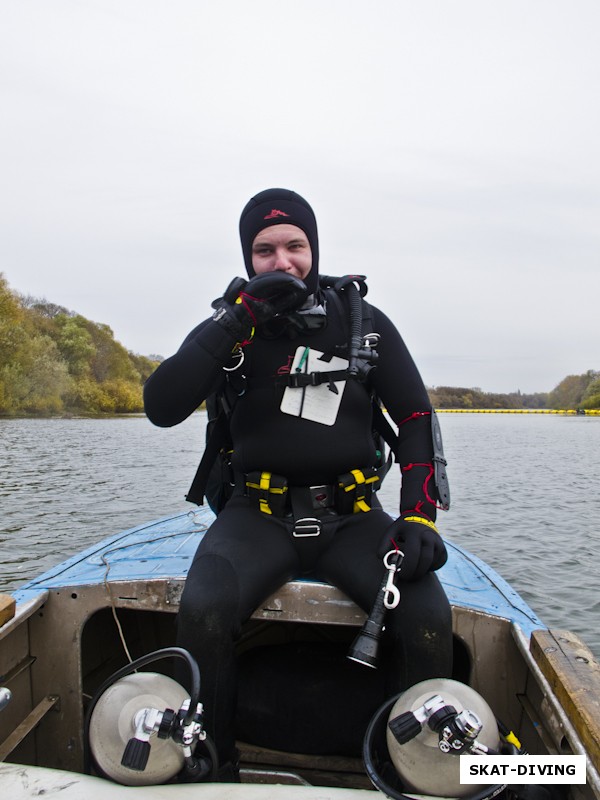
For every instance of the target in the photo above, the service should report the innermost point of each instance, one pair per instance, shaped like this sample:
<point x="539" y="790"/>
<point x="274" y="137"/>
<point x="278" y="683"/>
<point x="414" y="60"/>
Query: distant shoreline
<point x="583" y="412"/>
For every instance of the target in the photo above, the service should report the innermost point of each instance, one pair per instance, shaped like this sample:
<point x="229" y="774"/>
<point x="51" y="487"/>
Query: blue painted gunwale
<point x="165" y="547"/>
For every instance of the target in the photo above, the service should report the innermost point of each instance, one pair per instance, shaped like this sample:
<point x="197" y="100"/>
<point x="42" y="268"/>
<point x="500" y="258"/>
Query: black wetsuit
<point x="246" y="555"/>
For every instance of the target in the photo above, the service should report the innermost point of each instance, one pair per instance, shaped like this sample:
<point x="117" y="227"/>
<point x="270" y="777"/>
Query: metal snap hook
<point x="391" y="594"/>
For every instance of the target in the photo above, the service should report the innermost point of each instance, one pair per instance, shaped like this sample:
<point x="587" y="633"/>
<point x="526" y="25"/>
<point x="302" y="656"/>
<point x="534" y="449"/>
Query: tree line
<point x="573" y="392"/>
<point x="54" y="361"/>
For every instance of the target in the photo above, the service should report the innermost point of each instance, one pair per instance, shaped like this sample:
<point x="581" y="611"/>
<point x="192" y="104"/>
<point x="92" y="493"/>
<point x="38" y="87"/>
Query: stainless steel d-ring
<point x="241" y="356"/>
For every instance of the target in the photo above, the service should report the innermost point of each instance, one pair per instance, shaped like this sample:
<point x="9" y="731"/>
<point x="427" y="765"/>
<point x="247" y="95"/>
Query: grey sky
<point x="449" y="148"/>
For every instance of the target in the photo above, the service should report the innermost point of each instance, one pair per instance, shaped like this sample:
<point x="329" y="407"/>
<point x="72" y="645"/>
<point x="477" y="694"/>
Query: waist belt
<point x="351" y="494"/>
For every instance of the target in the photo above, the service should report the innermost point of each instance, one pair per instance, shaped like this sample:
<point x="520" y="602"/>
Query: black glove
<point x="424" y="549"/>
<point x="248" y="304"/>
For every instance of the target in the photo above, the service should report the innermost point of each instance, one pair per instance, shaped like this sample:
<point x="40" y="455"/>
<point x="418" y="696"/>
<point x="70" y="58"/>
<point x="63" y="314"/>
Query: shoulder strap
<point x="380" y="421"/>
<point x="216" y="440"/>
<point x="383" y="427"/>
<point x="218" y="436"/>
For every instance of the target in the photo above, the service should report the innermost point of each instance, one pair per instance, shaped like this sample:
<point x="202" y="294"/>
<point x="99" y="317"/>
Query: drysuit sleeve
<point x="403" y="394"/>
<point x="180" y="383"/>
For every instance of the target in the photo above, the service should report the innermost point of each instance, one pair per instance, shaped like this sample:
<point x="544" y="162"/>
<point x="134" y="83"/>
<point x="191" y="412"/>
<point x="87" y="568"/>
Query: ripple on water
<point x="522" y="497"/>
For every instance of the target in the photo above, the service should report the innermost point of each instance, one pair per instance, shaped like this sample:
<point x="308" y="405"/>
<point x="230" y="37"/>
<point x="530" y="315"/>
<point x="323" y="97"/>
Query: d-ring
<point x="241" y="356"/>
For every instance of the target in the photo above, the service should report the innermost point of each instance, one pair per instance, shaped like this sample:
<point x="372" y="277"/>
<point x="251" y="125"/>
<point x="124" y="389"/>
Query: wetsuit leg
<point x="243" y="558"/>
<point x="418" y="633"/>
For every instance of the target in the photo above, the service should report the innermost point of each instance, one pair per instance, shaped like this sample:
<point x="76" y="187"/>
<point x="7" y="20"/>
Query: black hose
<point x="355" y="302"/>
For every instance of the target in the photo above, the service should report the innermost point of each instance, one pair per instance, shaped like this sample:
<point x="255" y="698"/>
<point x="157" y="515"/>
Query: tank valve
<point x="166" y="724"/>
<point x="457" y="732"/>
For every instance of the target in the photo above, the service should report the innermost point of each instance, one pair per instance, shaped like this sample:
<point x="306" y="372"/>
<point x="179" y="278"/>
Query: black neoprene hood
<point x="278" y="207"/>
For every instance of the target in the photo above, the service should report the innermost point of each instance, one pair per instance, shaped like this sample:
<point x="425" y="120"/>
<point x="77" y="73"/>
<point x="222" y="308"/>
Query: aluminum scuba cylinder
<point x="421" y="734"/>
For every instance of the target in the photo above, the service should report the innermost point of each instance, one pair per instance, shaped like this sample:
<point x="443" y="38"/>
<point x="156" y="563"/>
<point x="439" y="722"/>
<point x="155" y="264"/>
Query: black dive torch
<point x="365" y="647"/>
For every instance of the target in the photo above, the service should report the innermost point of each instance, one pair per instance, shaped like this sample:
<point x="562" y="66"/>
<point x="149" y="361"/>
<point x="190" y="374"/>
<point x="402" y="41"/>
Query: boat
<point x="64" y="633"/>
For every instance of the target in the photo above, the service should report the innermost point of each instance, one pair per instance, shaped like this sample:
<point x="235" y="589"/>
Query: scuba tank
<point x="142" y="728"/>
<point x="414" y="741"/>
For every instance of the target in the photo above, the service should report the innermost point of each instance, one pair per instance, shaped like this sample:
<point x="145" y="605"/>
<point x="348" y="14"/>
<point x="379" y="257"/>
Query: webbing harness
<point x="362" y="358"/>
<point x="268" y="491"/>
<point x="352" y="493"/>
<point x="361" y="488"/>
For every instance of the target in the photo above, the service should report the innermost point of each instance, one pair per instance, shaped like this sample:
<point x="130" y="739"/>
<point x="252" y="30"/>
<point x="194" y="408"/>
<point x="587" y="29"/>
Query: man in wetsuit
<point x="289" y="438"/>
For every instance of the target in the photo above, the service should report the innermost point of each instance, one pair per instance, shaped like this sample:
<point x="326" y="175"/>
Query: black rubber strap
<point x="217" y="439"/>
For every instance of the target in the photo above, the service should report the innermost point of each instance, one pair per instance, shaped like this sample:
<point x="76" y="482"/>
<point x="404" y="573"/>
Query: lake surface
<point x="525" y="497"/>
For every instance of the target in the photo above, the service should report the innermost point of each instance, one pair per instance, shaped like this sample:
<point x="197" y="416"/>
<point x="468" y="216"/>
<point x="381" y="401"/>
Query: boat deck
<point x="164" y="548"/>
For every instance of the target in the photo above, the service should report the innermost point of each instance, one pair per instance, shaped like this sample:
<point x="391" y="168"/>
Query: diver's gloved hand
<point x="247" y="304"/>
<point x="424" y="549"/>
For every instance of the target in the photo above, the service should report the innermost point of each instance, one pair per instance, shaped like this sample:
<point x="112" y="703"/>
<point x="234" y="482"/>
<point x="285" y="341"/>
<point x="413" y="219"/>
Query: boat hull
<point x="74" y="625"/>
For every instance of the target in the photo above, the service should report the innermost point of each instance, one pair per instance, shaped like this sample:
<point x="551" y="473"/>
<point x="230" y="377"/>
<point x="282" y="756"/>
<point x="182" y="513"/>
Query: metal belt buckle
<point x="307" y="526"/>
<point x="321" y="496"/>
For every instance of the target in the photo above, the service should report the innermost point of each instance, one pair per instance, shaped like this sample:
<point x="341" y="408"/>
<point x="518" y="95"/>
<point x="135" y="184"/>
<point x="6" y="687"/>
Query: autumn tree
<point x="53" y="360"/>
<point x="571" y="390"/>
<point x="591" y="396"/>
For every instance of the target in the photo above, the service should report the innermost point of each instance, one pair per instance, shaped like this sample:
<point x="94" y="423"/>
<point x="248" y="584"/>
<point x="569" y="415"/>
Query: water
<point x="524" y="497"/>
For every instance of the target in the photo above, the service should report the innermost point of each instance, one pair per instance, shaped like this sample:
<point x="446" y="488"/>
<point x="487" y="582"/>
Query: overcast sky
<point x="450" y="149"/>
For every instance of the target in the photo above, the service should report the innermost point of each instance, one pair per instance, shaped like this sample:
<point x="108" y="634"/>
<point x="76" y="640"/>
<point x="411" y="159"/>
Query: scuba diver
<point x="297" y="393"/>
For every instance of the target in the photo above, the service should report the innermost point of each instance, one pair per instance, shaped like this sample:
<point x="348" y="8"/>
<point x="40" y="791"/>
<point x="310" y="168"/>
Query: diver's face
<point x="284" y="248"/>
